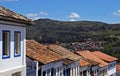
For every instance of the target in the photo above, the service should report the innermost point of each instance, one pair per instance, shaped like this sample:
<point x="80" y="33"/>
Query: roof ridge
<point x="13" y="12"/>
<point x="8" y="15"/>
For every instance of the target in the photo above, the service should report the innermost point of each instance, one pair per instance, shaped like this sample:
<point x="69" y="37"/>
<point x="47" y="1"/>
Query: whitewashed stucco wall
<point x="13" y="63"/>
<point x="112" y="69"/>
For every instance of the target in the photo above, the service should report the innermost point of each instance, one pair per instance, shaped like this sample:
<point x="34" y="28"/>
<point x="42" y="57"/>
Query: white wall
<point x="55" y="65"/>
<point x="59" y="64"/>
<point x="103" y="71"/>
<point x="85" y="68"/>
<point x="112" y="69"/>
<point x="11" y="71"/>
<point x="51" y="65"/>
<point x="31" y="67"/>
<point x="74" y="67"/>
<point x="13" y="62"/>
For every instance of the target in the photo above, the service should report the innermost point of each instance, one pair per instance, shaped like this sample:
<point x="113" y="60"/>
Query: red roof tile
<point x="70" y="55"/>
<point x="86" y="62"/>
<point x="104" y="56"/>
<point x="8" y="15"/>
<point x="88" y="55"/>
<point x="38" y="52"/>
<point x="63" y="52"/>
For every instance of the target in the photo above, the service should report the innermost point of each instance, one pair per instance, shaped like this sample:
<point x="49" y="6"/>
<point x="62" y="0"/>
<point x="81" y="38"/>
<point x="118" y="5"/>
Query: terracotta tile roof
<point x="70" y="55"/>
<point x="84" y="63"/>
<point x="6" y="14"/>
<point x="87" y="62"/>
<point x="118" y="68"/>
<point x="38" y="52"/>
<point x="63" y="52"/>
<point x="88" y="55"/>
<point x="104" y="56"/>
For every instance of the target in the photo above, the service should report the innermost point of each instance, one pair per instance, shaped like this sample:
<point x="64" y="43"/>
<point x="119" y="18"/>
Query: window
<point x="68" y="72"/>
<point x="58" y="71"/>
<point x="17" y="44"/>
<point x="73" y="71"/>
<point x="85" y="73"/>
<point x="6" y="44"/>
<point x="77" y="70"/>
<point x="48" y="72"/>
<point x="16" y="74"/>
<point x="81" y="74"/>
<point x="39" y="72"/>
<point x="44" y="73"/>
<point x="52" y="71"/>
<point x="61" y="72"/>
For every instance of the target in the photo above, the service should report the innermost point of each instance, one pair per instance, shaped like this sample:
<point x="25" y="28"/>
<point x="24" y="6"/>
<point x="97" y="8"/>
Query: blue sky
<point x="67" y="10"/>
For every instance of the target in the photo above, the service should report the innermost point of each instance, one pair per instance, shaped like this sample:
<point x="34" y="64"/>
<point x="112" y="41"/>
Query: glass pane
<point x="48" y="72"/>
<point x="6" y="43"/>
<point x="17" y="43"/>
<point x="44" y="73"/>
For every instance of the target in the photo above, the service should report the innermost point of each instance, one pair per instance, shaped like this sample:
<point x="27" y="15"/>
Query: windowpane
<point x="48" y="72"/>
<point x="61" y="71"/>
<point x="54" y="72"/>
<point x="6" y="43"/>
<point x="44" y="73"/>
<point x="17" y="43"/>
<point x="58" y="71"/>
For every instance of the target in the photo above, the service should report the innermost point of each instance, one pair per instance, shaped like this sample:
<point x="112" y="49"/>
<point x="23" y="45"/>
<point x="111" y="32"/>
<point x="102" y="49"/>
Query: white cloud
<point x="43" y="13"/>
<point x="35" y="16"/>
<point x="32" y="15"/>
<point x="74" y="15"/>
<point x="72" y="20"/>
<point x="117" y="13"/>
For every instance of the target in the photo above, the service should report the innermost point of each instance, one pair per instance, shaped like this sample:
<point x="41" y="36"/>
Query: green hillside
<point x="51" y="31"/>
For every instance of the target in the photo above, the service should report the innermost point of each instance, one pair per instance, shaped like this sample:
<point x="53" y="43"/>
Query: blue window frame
<point x="6" y="44"/>
<point x="17" y="43"/>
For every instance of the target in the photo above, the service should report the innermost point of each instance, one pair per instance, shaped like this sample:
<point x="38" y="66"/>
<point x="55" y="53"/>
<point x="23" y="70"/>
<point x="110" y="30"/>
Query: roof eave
<point x="26" y="23"/>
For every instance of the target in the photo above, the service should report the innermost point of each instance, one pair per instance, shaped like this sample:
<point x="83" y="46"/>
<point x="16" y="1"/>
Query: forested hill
<point x="90" y="35"/>
<point x="49" y="31"/>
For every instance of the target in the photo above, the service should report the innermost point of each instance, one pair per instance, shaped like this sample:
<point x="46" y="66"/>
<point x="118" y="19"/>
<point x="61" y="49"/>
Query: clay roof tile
<point x="8" y="15"/>
<point x="104" y="56"/>
<point x="40" y="53"/>
<point x="88" y="55"/>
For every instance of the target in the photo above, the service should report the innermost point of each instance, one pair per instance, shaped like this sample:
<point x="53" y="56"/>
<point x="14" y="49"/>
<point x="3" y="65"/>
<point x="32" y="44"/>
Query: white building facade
<point x="55" y="68"/>
<point x="11" y="60"/>
<point x="84" y="71"/>
<point x="112" y="69"/>
<point x="52" y="69"/>
<point x="109" y="70"/>
<point x="71" y="69"/>
<point x="12" y="44"/>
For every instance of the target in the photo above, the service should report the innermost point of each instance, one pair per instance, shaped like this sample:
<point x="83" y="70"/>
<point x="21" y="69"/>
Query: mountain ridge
<point x="48" y="26"/>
